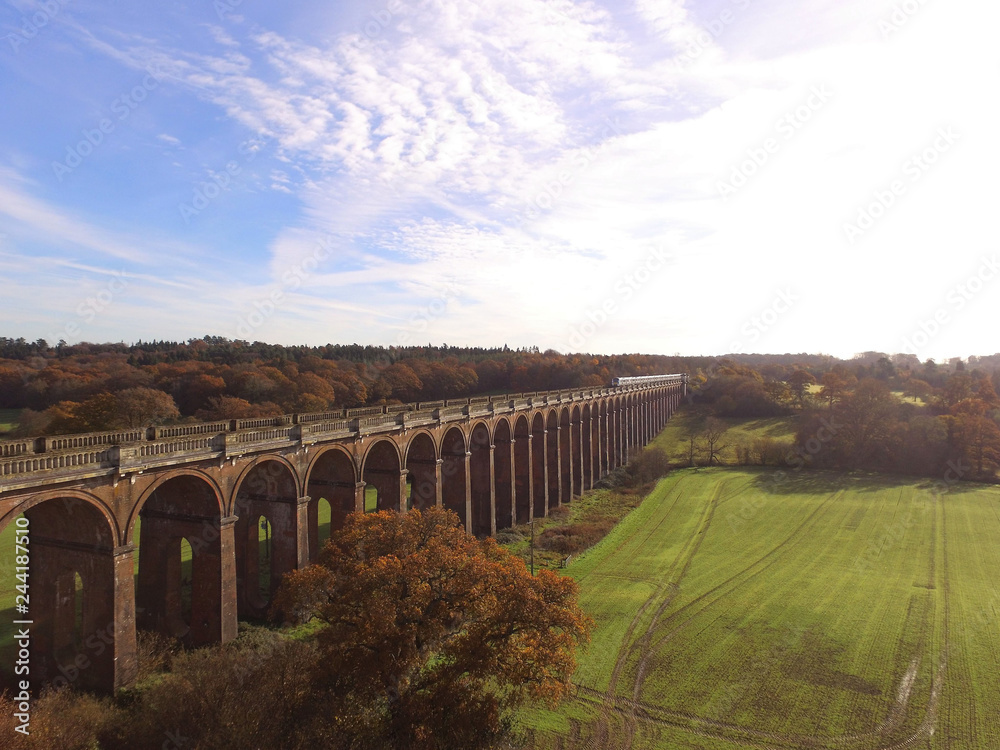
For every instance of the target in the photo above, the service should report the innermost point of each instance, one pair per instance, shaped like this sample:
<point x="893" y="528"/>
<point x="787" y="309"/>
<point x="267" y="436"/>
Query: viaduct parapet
<point x="107" y="512"/>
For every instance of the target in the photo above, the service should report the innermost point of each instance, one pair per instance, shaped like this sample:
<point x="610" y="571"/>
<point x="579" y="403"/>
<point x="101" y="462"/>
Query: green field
<point x="691" y="421"/>
<point x="8" y="419"/>
<point x="816" y="611"/>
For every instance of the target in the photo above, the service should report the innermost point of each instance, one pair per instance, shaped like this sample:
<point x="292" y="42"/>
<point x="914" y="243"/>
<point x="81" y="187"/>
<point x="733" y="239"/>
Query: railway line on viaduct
<point x="94" y="504"/>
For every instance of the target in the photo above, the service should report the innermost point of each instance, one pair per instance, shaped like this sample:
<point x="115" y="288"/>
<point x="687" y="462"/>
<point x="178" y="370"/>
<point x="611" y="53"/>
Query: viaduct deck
<point x="89" y="502"/>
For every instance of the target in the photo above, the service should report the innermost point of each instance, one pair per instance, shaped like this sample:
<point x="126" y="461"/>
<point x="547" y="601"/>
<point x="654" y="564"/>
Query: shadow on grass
<point x="818" y="481"/>
<point x="8" y="651"/>
<point x="829" y="481"/>
<point x="775" y="427"/>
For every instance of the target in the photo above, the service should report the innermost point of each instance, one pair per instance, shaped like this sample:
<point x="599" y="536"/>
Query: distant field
<point x="9" y="419"/>
<point x="822" y="611"/>
<point x="909" y="399"/>
<point x="674" y="437"/>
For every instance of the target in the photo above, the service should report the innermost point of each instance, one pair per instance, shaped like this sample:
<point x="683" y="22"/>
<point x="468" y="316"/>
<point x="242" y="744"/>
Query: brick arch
<point x="522" y="469"/>
<point x="422" y="461"/>
<point x="470" y="431"/>
<point x="266" y="458"/>
<point x="71" y="542"/>
<point x="605" y="445"/>
<point x="591" y="444"/>
<point x="159" y="482"/>
<point x="565" y="454"/>
<point x="481" y="479"/>
<point x="268" y="488"/>
<point x="387" y="475"/>
<point x="198" y="519"/>
<point x="417" y="433"/>
<point x="455" y="489"/>
<point x="497" y="421"/>
<point x="374" y="444"/>
<point x="618" y="430"/>
<point x="552" y="453"/>
<point x="576" y="449"/>
<point x="332" y="474"/>
<point x="41" y="497"/>
<point x="336" y="447"/>
<point x="503" y="466"/>
<point x="539" y="484"/>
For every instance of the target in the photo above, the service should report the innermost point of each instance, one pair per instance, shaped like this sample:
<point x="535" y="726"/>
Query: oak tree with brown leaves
<point x="430" y="636"/>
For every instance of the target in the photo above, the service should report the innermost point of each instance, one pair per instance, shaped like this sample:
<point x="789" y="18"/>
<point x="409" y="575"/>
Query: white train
<point x="650" y="379"/>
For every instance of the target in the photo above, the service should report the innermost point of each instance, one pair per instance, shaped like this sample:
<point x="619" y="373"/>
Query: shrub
<point x="575" y="537"/>
<point x="61" y="719"/>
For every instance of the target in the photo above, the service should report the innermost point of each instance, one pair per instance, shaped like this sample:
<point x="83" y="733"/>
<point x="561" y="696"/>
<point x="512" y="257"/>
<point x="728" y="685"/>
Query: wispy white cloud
<point x="532" y="153"/>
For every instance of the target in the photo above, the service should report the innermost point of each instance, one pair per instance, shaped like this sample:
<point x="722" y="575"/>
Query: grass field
<point x="687" y="421"/>
<point x="8" y="419"/>
<point x="818" y="611"/>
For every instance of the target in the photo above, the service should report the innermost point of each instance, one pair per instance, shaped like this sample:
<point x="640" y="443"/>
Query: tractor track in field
<point x="633" y="711"/>
<point x="642" y="645"/>
<point x="732" y="582"/>
<point x="627" y="540"/>
<point x="665" y="585"/>
<point x="667" y="589"/>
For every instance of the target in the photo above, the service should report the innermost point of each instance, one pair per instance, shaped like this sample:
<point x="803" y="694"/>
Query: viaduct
<point x="89" y="502"/>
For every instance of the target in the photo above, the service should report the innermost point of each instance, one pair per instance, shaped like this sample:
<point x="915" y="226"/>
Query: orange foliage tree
<point x="431" y="636"/>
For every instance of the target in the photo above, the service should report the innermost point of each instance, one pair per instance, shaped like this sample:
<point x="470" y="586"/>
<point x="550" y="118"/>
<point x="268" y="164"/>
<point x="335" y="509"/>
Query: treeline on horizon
<point x="87" y="387"/>
<point x="885" y="414"/>
<point x="66" y="388"/>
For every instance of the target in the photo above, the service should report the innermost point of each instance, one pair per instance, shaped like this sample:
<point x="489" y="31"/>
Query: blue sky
<point x="653" y="175"/>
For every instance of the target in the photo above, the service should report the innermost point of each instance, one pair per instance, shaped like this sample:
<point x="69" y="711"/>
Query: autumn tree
<point x="312" y="393"/>
<point x="764" y="450"/>
<point x="230" y="407"/>
<point x="429" y="635"/>
<point x="866" y="435"/>
<point x="712" y="437"/>
<point x="916" y="388"/>
<point x="836" y="385"/>
<point x="193" y="392"/>
<point x="978" y="438"/>
<point x="397" y="381"/>
<point x="138" y="407"/>
<point x="975" y="435"/>
<point x="130" y="408"/>
<point x="799" y="382"/>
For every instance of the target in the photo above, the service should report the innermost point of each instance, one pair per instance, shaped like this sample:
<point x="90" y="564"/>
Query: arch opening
<point x="503" y="479"/>
<point x="481" y="476"/>
<point x="184" y="508"/>
<point x="553" y="463"/>
<point x="70" y="594"/>
<point x="422" y="469"/>
<point x="268" y="493"/>
<point x="522" y="471"/>
<point x="332" y="488"/>
<point x="576" y="438"/>
<point x="604" y="446"/>
<point x="324" y="515"/>
<point x="455" y="490"/>
<point x="185" y="587"/>
<point x="565" y="458"/>
<point x="384" y="478"/>
<point x="538" y="464"/>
